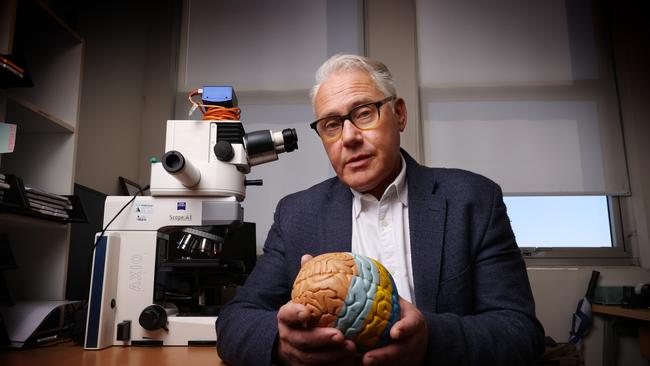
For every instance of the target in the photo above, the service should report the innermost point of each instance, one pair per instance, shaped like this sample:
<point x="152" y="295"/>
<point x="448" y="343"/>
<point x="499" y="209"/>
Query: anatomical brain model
<point x="353" y="293"/>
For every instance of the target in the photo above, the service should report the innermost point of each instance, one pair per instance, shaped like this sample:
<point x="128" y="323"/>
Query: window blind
<point x="521" y="92"/>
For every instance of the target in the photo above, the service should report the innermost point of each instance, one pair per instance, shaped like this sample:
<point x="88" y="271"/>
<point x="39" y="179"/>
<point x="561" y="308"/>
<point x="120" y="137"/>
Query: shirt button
<point x="385" y="223"/>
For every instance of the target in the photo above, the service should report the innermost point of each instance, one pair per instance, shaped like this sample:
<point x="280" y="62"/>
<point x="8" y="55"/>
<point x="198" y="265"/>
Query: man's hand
<point x="410" y="338"/>
<point x="300" y="343"/>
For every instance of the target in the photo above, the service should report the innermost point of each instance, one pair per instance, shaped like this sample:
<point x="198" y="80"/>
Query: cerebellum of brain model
<point x="353" y="293"/>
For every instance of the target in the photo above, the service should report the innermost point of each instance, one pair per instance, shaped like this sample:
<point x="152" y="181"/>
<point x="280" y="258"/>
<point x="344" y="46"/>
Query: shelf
<point x="49" y="20"/>
<point x="20" y="221"/>
<point x="31" y="119"/>
<point x="16" y="205"/>
<point x="615" y="310"/>
<point x="43" y="160"/>
<point x="52" y="55"/>
<point x="34" y="16"/>
<point x="44" y="105"/>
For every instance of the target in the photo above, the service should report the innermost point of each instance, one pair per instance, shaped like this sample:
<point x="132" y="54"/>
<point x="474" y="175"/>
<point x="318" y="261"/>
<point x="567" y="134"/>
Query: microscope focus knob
<point x="153" y="317"/>
<point x="224" y="151"/>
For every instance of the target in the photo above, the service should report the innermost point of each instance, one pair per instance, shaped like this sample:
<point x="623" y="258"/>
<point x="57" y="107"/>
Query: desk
<point x="612" y="316"/>
<point x="69" y="354"/>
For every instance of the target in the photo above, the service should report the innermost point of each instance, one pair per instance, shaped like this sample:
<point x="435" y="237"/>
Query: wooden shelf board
<point x="12" y="220"/>
<point x="59" y="22"/>
<point x="31" y="119"/>
<point x="42" y="20"/>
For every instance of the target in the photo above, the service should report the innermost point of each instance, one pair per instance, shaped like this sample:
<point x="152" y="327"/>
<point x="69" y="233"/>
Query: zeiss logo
<point x="180" y="206"/>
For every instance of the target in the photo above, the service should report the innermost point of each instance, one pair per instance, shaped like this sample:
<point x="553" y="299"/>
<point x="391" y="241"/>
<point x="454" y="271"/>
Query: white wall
<point x="557" y="291"/>
<point x="631" y="38"/>
<point x="390" y="37"/>
<point x="159" y="82"/>
<point x="127" y="92"/>
<point x="111" y="100"/>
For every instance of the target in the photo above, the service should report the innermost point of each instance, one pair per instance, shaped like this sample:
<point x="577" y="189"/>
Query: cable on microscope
<point x="118" y="214"/>
<point x="214" y="112"/>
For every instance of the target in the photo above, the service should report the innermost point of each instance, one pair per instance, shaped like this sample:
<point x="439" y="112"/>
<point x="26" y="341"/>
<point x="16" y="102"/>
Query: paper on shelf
<point x="24" y="317"/>
<point x="7" y="137"/>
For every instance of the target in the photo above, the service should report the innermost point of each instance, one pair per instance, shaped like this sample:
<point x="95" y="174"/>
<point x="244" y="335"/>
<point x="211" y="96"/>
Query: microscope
<point x="167" y="262"/>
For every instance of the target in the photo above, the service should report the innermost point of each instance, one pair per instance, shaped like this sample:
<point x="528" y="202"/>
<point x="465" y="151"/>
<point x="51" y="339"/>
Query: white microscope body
<point x="164" y="265"/>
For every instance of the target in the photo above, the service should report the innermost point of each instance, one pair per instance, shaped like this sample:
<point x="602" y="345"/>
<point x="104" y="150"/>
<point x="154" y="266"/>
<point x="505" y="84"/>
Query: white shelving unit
<point x="45" y="152"/>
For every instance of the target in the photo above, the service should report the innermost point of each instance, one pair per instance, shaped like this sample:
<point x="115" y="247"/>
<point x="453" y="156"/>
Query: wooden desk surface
<point x="69" y="354"/>
<point x="640" y="314"/>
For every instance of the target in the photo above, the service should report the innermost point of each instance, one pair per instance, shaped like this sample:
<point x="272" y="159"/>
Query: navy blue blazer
<point x="469" y="276"/>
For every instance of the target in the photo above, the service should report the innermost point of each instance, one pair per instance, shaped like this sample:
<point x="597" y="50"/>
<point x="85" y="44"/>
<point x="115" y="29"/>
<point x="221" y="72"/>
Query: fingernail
<point x="336" y="337"/>
<point x="370" y="361"/>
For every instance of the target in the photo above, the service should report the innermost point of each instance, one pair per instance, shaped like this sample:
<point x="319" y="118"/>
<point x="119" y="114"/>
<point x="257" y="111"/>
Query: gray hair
<point x="347" y="62"/>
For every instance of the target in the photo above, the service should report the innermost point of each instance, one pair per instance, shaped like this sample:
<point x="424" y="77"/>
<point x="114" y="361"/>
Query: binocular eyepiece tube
<point x="180" y="168"/>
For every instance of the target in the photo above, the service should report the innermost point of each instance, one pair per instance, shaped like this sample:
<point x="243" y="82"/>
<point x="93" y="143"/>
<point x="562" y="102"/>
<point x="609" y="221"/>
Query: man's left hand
<point x="410" y="338"/>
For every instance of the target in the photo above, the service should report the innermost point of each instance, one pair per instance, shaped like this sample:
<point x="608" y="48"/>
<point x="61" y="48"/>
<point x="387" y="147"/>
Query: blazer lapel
<point x="336" y="220"/>
<point x="427" y="214"/>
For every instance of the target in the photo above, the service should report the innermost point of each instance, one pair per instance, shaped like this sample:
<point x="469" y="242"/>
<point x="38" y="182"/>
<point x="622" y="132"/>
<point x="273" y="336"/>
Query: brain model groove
<point x="352" y="293"/>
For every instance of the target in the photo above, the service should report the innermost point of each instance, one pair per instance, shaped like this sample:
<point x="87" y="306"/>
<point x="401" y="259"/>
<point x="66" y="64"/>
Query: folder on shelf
<point x="28" y="201"/>
<point x="38" y="197"/>
<point x="8" y="64"/>
<point x="47" y="203"/>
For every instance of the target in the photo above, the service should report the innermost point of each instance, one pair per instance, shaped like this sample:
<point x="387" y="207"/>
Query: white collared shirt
<point x="380" y="230"/>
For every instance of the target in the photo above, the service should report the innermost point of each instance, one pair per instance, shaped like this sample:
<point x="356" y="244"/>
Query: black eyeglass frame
<point x="348" y="117"/>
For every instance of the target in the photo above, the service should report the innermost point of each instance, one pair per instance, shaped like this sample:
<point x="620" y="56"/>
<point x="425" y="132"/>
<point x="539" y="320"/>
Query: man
<point x="442" y="233"/>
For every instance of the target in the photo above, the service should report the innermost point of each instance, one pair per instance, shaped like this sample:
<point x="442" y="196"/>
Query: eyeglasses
<point x="363" y="117"/>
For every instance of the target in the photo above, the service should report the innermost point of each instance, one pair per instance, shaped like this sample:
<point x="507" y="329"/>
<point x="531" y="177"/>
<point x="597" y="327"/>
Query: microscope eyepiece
<point x="173" y="161"/>
<point x="182" y="169"/>
<point x="290" y="139"/>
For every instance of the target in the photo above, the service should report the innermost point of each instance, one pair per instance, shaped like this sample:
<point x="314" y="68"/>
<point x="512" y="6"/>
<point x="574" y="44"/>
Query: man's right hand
<point x="301" y="343"/>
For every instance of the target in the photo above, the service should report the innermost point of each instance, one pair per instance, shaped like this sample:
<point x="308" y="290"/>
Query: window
<point x="524" y="93"/>
<point x="560" y="221"/>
